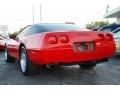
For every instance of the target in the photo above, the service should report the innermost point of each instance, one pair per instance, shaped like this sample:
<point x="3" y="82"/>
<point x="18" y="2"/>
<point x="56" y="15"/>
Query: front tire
<point x="26" y="67"/>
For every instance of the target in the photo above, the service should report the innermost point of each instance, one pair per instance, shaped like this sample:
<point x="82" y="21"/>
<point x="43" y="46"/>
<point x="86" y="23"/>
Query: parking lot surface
<point x="104" y="73"/>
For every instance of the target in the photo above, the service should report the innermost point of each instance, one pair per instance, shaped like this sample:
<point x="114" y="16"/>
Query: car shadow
<point x="117" y="56"/>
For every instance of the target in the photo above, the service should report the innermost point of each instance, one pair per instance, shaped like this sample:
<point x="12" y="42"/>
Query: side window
<point x="23" y="33"/>
<point x="34" y="30"/>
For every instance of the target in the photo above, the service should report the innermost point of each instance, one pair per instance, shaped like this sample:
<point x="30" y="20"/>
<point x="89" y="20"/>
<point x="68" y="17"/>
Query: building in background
<point x="4" y="30"/>
<point x="114" y="14"/>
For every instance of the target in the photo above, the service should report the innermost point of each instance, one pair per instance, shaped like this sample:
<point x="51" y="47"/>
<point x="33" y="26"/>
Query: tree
<point x="98" y="24"/>
<point x="14" y="34"/>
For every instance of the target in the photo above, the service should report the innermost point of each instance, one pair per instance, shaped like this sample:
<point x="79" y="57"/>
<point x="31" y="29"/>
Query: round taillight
<point x="109" y="37"/>
<point x="52" y="39"/>
<point x="101" y="36"/>
<point x="64" y="39"/>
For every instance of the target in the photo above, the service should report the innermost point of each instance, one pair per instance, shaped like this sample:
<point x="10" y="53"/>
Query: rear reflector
<point x="52" y="39"/>
<point x="101" y="36"/>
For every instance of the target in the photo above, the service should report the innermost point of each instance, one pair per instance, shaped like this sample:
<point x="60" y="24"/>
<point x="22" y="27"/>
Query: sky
<point x="18" y="13"/>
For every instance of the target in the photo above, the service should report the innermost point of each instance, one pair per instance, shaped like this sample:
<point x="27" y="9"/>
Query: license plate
<point x="83" y="46"/>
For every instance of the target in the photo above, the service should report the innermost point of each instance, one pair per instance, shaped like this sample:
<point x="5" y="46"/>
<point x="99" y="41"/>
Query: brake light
<point x="52" y="39"/>
<point x="109" y="37"/>
<point x="64" y="39"/>
<point x="101" y="36"/>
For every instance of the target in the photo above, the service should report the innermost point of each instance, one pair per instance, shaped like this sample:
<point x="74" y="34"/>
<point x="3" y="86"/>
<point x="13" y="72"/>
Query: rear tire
<point x="26" y="67"/>
<point x="8" y="58"/>
<point x="87" y="65"/>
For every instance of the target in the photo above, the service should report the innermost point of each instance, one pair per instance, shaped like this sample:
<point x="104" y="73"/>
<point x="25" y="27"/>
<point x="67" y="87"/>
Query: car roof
<point x="53" y="24"/>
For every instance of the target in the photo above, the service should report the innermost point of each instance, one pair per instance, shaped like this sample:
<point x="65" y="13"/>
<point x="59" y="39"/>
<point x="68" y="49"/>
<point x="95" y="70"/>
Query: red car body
<point x="2" y="46"/>
<point x="64" y="47"/>
<point x="2" y="43"/>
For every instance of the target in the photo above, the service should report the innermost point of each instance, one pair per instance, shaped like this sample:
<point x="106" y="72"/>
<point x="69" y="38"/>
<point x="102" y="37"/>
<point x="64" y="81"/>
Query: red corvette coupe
<point x="59" y="44"/>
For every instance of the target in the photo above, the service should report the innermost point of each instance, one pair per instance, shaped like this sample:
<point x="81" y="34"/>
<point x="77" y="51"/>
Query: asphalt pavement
<point x="107" y="73"/>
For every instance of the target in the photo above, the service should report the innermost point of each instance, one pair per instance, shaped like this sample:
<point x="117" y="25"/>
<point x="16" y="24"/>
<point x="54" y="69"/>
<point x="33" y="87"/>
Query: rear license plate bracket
<point x="83" y="46"/>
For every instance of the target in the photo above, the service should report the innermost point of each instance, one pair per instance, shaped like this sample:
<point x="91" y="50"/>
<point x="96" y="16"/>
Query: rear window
<point x="35" y="29"/>
<point x="50" y="28"/>
<point x="106" y="29"/>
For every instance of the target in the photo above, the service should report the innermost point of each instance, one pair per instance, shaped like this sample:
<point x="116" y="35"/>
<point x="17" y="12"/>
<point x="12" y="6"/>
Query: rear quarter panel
<point x="31" y="42"/>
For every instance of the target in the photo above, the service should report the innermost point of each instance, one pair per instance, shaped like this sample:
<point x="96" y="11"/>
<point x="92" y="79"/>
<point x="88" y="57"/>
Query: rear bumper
<point x="65" y="56"/>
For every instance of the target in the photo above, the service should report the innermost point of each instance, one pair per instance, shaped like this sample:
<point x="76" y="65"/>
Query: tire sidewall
<point x="7" y="56"/>
<point x="5" y="51"/>
<point x="23" y="50"/>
